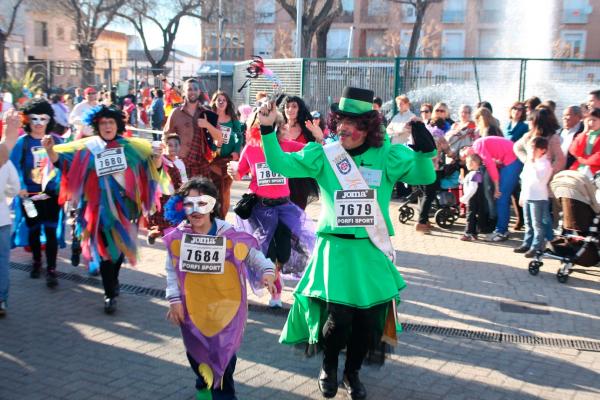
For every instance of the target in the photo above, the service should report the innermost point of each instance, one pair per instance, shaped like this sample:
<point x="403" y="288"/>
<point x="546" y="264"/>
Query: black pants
<point x="227" y="392"/>
<point x="48" y="213"/>
<point x="429" y="193"/>
<point x="280" y="247"/>
<point x="515" y="201"/>
<point x="402" y="190"/>
<point x="475" y="210"/>
<point x="109" y="270"/>
<point x="350" y="327"/>
<point x="157" y="136"/>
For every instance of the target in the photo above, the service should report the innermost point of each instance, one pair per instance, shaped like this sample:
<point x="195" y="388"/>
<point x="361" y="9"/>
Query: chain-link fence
<point x="455" y="81"/>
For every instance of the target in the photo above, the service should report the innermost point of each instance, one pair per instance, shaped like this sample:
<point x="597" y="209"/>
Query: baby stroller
<point x="444" y="207"/>
<point x="578" y="242"/>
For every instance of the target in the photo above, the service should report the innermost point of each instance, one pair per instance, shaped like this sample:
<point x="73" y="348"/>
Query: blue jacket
<point x="158" y="112"/>
<point x="516" y="132"/>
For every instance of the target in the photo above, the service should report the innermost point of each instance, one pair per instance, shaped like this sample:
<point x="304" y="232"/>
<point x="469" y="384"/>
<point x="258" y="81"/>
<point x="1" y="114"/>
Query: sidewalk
<point x="533" y="337"/>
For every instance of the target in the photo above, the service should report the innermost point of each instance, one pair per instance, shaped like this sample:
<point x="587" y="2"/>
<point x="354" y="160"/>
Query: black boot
<point x="51" y="279"/>
<point x="328" y="383"/>
<point x="356" y="390"/>
<point x="36" y="270"/>
<point x="110" y="305"/>
<point x="75" y="253"/>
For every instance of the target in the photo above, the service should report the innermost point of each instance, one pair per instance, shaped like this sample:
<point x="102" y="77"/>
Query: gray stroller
<point x="578" y="242"/>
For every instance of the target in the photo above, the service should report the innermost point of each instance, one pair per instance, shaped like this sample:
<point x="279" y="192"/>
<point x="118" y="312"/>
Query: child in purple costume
<point x="210" y="308"/>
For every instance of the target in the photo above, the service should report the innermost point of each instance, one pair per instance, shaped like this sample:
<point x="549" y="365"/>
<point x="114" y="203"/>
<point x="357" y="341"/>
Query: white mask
<point x="201" y="204"/>
<point x="39" y="119"/>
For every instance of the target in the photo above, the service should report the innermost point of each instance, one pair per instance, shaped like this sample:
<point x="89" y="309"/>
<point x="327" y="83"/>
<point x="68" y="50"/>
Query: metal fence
<point x="455" y="81"/>
<point x="67" y="74"/>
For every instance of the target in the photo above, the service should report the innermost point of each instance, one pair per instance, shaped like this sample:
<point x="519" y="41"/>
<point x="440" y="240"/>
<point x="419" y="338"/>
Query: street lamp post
<point x="299" y="12"/>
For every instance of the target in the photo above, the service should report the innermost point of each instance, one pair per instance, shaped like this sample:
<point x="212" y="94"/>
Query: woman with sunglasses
<point x="516" y="127"/>
<point x="440" y="110"/>
<point x="37" y="206"/>
<point x="425" y="112"/>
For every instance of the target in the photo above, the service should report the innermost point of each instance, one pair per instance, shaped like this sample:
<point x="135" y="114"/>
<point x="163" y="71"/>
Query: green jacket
<point x="396" y="162"/>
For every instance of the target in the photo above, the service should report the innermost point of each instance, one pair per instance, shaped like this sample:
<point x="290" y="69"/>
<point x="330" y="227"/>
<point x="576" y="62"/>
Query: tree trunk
<point x="3" y="74"/>
<point x="88" y="64"/>
<point x="408" y="73"/>
<point x="322" y="40"/>
<point x="307" y="36"/>
<point x="416" y="32"/>
<point x="158" y="68"/>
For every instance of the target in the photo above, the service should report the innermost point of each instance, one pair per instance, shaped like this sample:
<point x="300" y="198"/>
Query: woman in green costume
<point x="347" y="295"/>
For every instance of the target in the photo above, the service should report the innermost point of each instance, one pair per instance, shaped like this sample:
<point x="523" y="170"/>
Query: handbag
<point x="244" y="206"/>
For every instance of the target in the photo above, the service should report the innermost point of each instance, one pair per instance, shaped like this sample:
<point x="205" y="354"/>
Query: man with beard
<point x="196" y="127"/>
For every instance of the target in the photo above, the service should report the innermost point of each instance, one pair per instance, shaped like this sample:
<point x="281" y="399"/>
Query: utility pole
<point x="349" y="53"/>
<point x="220" y="35"/>
<point x="299" y="12"/>
<point x="135" y="77"/>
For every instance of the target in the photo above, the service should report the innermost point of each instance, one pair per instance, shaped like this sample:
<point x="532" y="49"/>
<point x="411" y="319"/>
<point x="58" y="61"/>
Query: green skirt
<point x="351" y="272"/>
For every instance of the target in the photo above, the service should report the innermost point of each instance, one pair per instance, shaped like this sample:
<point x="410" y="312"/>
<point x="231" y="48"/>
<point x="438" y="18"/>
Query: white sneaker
<point x="497" y="237"/>
<point x="275" y="303"/>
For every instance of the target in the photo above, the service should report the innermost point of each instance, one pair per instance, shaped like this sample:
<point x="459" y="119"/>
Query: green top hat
<point x="354" y="102"/>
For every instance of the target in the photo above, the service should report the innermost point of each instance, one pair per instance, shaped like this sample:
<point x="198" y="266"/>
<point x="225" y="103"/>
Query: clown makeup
<point x="39" y="119"/>
<point x="353" y="134"/>
<point x="203" y="204"/>
<point x="350" y="136"/>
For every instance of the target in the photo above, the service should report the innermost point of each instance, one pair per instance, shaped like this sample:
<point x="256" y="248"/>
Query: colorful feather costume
<point x="110" y="205"/>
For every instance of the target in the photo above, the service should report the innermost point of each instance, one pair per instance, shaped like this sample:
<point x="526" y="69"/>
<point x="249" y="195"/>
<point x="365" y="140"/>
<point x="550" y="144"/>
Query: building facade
<point x="45" y="42"/>
<point x="110" y="51"/>
<point x="452" y="28"/>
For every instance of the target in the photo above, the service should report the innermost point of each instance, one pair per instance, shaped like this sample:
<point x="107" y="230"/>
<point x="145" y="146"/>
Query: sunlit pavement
<point x="478" y="327"/>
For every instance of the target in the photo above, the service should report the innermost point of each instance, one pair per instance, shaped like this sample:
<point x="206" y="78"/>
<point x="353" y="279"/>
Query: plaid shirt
<point x="195" y="151"/>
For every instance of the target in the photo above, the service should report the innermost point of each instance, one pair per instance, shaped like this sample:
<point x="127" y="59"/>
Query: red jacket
<point x="577" y="149"/>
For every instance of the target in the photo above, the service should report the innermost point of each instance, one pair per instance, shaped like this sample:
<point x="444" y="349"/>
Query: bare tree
<point x="91" y="17"/>
<point x="318" y="16"/>
<point x="410" y="67"/>
<point x="421" y="7"/>
<point x="6" y="29"/>
<point x="166" y="15"/>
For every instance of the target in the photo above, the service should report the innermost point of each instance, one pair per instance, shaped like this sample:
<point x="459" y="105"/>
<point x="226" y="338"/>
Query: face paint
<point x="354" y="134"/>
<point x="39" y="119"/>
<point x="201" y="204"/>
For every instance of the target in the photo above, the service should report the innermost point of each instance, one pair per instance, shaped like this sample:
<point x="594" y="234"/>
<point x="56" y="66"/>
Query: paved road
<point x="478" y="327"/>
